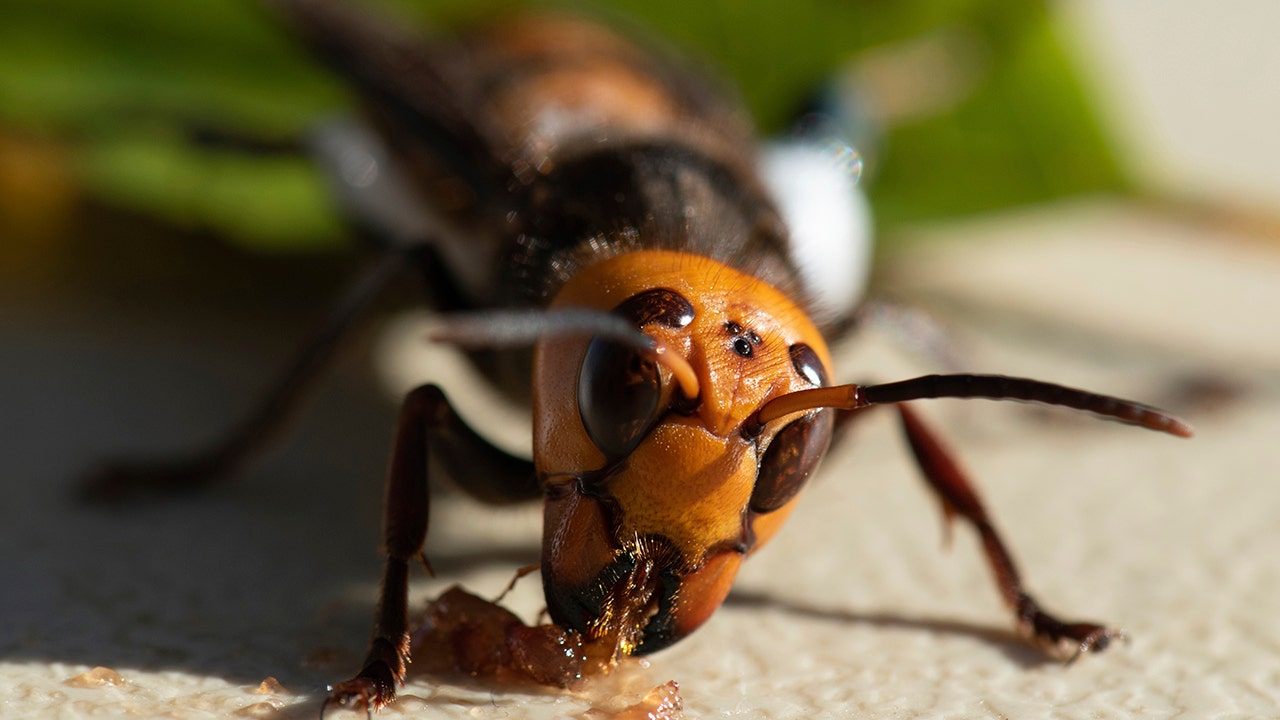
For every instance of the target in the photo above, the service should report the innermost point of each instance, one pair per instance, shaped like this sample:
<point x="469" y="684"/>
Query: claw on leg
<point x="375" y="685"/>
<point x="1070" y="639"/>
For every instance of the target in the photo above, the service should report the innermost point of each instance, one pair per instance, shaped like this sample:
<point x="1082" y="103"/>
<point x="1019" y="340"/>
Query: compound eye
<point x="790" y="459"/>
<point x="808" y="365"/>
<point x="619" y="392"/>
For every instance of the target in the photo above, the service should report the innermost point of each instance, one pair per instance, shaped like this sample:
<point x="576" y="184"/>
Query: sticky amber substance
<point x="661" y="703"/>
<point x="463" y="633"/>
<point x="270" y="686"/>
<point x="96" y="678"/>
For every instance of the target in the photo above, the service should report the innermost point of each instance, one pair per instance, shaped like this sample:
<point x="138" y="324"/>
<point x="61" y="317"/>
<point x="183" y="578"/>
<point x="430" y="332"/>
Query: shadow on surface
<point x="144" y="345"/>
<point x="1014" y="648"/>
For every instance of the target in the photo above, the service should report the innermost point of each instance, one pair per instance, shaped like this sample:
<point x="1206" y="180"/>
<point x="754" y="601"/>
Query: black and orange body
<point x="585" y="172"/>
<point x="680" y="381"/>
<point x="541" y="144"/>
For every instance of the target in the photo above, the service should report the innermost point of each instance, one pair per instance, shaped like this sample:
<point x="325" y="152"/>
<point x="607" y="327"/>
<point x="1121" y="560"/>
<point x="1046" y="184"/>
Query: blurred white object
<point x="830" y="221"/>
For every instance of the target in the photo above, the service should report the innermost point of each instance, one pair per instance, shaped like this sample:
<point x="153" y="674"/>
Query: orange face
<point x="654" y="496"/>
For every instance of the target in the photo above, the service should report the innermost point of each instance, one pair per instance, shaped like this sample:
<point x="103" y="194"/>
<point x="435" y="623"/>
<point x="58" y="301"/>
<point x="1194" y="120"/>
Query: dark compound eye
<point x="790" y="459"/>
<point x="620" y="389"/>
<point x="618" y="395"/>
<point x="663" y="306"/>
<point x="806" y="363"/>
<point x="797" y="449"/>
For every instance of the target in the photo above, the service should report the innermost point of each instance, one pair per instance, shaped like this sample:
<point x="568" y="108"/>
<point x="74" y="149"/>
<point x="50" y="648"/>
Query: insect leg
<point x="428" y="430"/>
<point x="950" y="482"/>
<point x="253" y="434"/>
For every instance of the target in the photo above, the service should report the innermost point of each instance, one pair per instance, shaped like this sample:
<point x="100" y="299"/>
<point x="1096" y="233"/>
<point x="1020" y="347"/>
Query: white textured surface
<point x="1192" y="90"/>
<point x="855" y="610"/>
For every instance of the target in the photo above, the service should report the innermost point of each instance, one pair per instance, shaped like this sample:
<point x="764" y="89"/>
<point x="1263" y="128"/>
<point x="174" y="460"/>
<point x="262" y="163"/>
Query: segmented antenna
<point x="988" y="387"/>
<point x="497" y="329"/>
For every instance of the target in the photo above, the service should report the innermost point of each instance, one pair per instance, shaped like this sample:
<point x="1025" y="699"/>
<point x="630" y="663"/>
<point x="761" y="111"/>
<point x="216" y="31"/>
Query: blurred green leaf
<point x="137" y="87"/>
<point x="276" y="203"/>
<point x="1026" y="134"/>
<point x="74" y="65"/>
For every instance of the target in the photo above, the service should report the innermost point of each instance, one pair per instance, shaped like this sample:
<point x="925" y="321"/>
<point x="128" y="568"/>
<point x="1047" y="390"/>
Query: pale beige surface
<point x="1190" y="91"/>
<point x="855" y="610"/>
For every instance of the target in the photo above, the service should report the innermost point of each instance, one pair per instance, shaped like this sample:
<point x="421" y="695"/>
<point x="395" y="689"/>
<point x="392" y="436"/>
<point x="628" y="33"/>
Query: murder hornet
<point x="596" y="225"/>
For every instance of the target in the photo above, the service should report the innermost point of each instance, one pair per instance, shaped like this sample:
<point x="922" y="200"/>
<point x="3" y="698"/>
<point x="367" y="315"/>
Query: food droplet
<point x="97" y="677"/>
<point x="548" y="654"/>
<point x="270" y="686"/>
<point x="661" y="703"/>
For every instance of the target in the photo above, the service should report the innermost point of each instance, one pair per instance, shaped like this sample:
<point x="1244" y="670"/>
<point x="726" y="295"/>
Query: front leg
<point x="949" y="481"/>
<point x="427" y="426"/>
